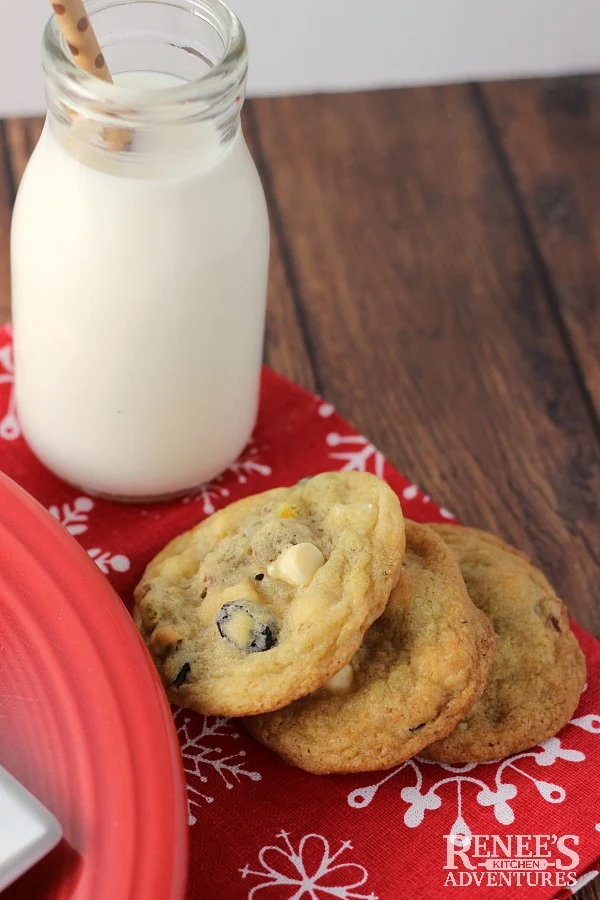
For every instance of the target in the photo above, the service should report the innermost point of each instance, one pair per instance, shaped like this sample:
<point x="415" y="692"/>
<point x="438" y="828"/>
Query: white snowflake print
<point x="412" y="491"/>
<point x="248" y="464"/>
<point x="326" y="410"/>
<point x="446" y="514"/>
<point x="359" y="454"/>
<point x="10" y="429"/>
<point x="211" y="494"/>
<point x="203" y="755"/>
<point x="109" y="562"/>
<point x="497" y="795"/>
<point x="311" y="872"/>
<point x="74" y="516"/>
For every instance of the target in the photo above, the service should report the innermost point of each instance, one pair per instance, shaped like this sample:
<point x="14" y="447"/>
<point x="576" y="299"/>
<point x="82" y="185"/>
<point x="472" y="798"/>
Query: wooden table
<point x="436" y="275"/>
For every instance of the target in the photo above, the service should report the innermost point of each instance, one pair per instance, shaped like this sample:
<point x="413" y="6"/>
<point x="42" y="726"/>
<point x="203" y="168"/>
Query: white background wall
<point x="309" y="45"/>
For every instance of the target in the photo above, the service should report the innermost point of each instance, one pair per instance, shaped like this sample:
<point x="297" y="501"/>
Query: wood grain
<point x="285" y="346"/>
<point x="590" y="892"/>
<point x="18" y="138"/>
<point x="550" y="131"/>
<point x="429" y="323"/>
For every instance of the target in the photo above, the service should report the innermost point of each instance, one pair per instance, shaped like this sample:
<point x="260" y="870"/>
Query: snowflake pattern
<point x="359" y="454"/>
<point x="311" y="872"/>
<point x="325" y="410"/>
<point x="497" y="795"/>
<point x="248" y="465"/>
<point x="10" y="429"/>
<point x="211" y="494"/>
<point x="200" y="738"/>
<point x="109" y="562"/>
<point x="73" y="516"/>
<point x="412" y="492"/>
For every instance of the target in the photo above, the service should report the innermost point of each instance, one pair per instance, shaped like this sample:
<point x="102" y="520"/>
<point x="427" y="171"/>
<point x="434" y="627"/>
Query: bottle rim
<point x="203" y="97"/>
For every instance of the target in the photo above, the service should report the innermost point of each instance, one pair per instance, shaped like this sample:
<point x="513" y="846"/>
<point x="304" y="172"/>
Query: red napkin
<point x="530" y="824"/>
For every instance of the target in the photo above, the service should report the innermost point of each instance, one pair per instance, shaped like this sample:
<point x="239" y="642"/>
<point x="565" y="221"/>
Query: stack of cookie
<point x="351" y="640"/>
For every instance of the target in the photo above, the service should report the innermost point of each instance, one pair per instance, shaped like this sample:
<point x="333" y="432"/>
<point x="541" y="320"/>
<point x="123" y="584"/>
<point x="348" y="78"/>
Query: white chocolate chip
<point x="297" y="565"/>
<point x="341" y="682"/>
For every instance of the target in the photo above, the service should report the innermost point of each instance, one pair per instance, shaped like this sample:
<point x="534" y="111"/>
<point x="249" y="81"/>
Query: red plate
<point x="84" y="723"/>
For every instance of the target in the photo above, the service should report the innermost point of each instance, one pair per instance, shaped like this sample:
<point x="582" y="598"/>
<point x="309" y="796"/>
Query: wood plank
<point x="6" y="203"/>
<point x="285" y="346"/>
<point x="550" y="131"/>
<point x="18" y="138"/>
<point x="590" y="892"/>
<point x="430" y="325"/>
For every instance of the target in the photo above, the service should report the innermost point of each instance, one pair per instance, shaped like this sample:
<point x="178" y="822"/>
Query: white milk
<point x="139" y="298"/>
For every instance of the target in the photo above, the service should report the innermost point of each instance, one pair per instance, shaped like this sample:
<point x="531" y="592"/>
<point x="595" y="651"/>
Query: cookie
<point x="265" y="600"/>
<point x="538" y="672"/>
<point x="421" y="666"/>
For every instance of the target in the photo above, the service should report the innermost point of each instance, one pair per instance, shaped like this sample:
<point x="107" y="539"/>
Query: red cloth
<point x="260" y="828"/>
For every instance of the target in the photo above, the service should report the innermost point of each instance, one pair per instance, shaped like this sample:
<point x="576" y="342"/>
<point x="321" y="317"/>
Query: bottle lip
<point x="203" y="97"/>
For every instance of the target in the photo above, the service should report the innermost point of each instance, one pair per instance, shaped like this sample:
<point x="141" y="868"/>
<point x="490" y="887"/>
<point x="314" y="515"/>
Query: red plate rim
<point x="115" y="780"/>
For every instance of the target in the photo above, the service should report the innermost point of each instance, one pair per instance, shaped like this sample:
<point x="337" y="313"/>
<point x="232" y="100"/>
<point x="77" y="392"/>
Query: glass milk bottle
<point x="140" y="251"/>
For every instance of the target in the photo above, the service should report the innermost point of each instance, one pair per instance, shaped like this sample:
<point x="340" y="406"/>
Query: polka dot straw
<point x="81" y="38"/>
<point x="79" y="34"/>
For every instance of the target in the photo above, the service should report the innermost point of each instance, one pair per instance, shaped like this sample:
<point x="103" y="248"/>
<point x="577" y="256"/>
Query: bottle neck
<point x="142" y="149"/>
<point x="179" y="70"/>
